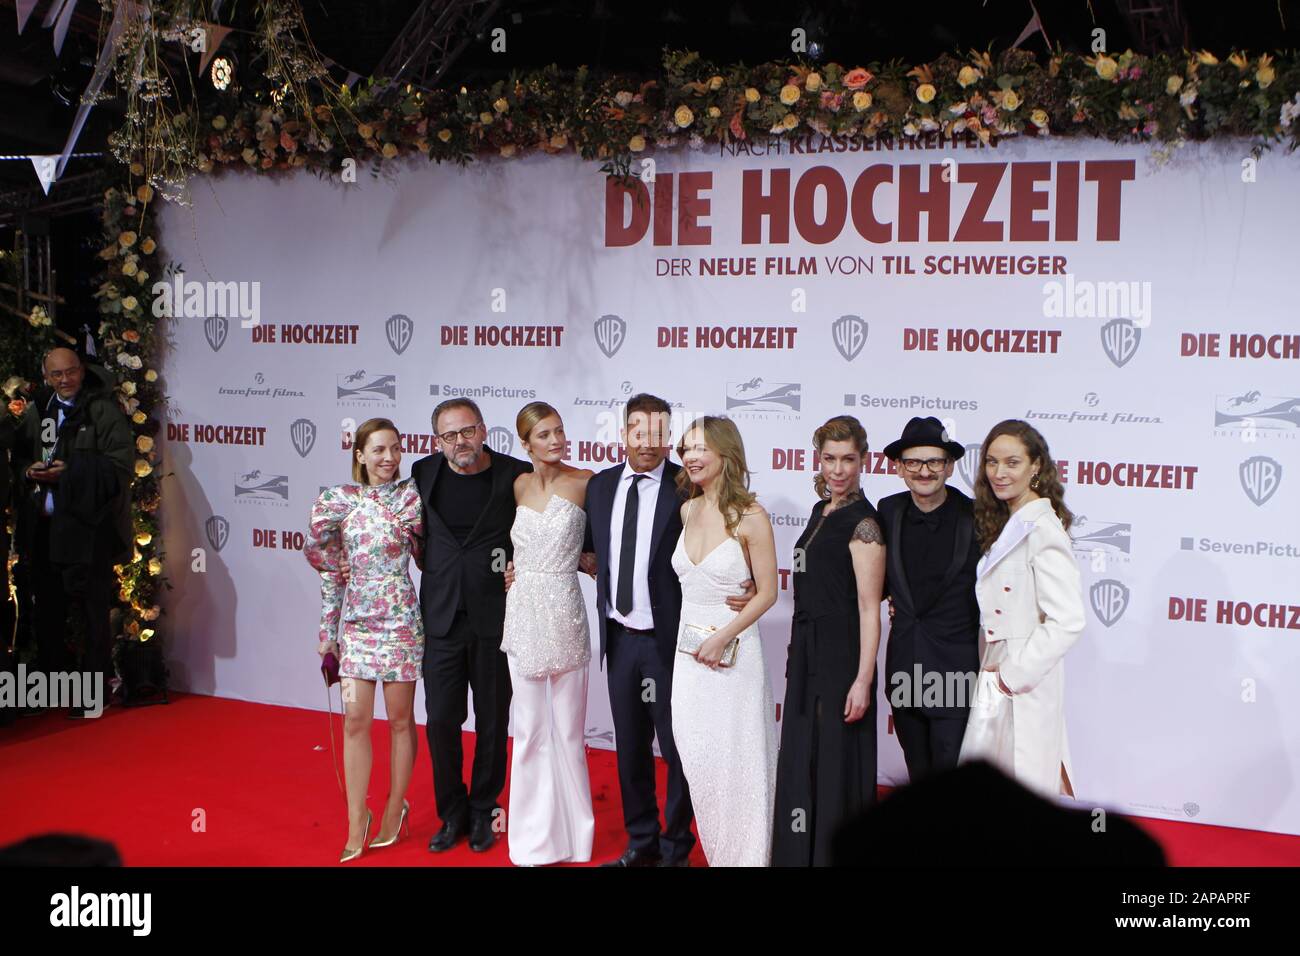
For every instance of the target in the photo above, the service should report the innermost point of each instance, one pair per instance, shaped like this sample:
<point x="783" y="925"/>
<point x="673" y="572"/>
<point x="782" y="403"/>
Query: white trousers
<point x="550" y="819"/>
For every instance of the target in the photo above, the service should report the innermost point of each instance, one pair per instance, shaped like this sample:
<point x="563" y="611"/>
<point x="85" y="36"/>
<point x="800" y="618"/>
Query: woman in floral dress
<point x="361" y="539"/>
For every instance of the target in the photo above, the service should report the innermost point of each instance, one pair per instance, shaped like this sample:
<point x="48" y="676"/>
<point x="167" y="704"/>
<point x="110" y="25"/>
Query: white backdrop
<point x="1169" y="715"/>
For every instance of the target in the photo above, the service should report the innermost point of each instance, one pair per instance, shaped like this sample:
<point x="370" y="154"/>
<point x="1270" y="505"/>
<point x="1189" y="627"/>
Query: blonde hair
<point x="723" y="439"/>
<point x="368" y="428"/>
<point x="839" y="428"/>
<point x="529" y="416"/>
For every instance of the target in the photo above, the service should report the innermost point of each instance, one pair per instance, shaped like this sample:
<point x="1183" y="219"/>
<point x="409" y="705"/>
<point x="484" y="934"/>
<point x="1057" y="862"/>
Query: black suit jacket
<point x="665" y="589"/>
<point x="472" y="568"/>
<point x="944" y="636"/>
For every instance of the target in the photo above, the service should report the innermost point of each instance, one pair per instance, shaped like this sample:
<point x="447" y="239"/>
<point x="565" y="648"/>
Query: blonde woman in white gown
<point x="547" y="642"/>
<point x="724" y="721"/>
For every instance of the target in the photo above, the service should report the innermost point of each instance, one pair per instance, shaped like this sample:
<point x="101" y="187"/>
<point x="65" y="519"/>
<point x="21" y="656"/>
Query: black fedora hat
<point x="925" y="432"/>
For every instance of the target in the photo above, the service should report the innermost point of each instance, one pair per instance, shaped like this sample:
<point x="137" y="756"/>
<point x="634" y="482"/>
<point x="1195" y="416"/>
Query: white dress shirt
<point x="641" y="617"/>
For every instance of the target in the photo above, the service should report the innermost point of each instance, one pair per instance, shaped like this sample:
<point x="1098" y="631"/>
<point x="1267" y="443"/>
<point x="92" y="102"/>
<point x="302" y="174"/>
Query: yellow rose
<point x="508" y="150"/>
<point x="1038" y="118"/>
<point x="1264" y="76"/>
<point x="129" y="268"/>
<point x="967" y="75"/>
<point x="444" y="135"/>
<point x="789" y="94"/>
<point x="1206" y="58"/>
<point x="636" y="143"/>
<point x="1239" y="60"/>
<point x="390" y="150"/>
<point x="144" y="444"/>
<point x="151" y="376"/>
<point x="128" y="388"/>
<point x="1010" y="100"/>
<point x="1173" y="85"/>
<point x="129" y="303"/>
<point x="155" y="568"/>
<point x="714" y="112"/>
<point x="146" y="635"/>
<point x="144" y="193"/>
<point x="1106" y="67"/>
<point x="752" y="95"/>
<point x="501" y="105"/>
<point x="126" y="239"/>
<point x="139" y="418"/>
<point x="148" y="246"/>
<point x="789" y="121"/>
<point x="861" y="100"/>
<point x="683" y="116"/>
<point x="559" y="141"/>
<point x="813" y="83"/>
<point x="365" y="131"/>
<point x="249" y="155"/>
<point x="137" y="169"/>
<point x="715" y="82"/>
<point x="925" y="92"/>
<point x="142" y="468"/>
<point x="218" y="123"/>
<point x="485" y="118"/>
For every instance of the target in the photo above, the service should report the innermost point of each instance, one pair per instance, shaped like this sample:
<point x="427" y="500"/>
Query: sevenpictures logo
<point x="1252" y="416"/>
<point x="757" y="398"/>
<point x="359" y="387"/>
<point x="254" y="487"/>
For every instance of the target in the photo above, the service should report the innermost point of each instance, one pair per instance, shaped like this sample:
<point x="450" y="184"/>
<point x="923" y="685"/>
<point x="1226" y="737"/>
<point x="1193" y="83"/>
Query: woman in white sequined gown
<point x="547" y="641"/>
<point x="724" y="721"/>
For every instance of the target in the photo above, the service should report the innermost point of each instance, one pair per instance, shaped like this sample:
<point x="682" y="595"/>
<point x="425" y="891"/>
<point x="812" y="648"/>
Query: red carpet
<point x="260" y="780"/>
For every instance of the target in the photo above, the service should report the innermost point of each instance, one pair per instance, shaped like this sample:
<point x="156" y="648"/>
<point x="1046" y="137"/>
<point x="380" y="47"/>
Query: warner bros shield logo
<point x="1109" y="599"/>
<point x="303" y="435"/>
<point x="217" y="529"/>
<point x="1260" y="478"/>
<point x="400" y="330"/>
<point x="611" y="331"/>
<point x="215" y="330"/>
<point x="969" y="465"/>
<point x="500" y="440"/>
<point x="849" y="333"/>
<point x="1120" y="339"/>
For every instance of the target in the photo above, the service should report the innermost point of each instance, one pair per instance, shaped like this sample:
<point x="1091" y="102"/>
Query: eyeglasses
<point x="913" y="465"/>
<point x="466" y="433"/>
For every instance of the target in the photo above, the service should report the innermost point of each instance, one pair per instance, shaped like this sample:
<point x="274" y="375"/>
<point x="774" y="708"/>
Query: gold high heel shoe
<point x="349" y="853"/>
<point x="403" y="821"/>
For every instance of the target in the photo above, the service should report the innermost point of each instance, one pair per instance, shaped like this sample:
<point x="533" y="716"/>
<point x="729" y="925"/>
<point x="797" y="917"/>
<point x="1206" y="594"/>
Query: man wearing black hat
<point x="933" y="654"/>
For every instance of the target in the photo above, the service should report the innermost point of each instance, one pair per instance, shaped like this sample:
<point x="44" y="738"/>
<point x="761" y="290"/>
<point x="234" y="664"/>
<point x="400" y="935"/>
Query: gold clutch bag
<point x="693" y="635"/>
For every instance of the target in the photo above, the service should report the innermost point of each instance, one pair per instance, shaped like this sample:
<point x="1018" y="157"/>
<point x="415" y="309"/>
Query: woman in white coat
<point x="1031" y="612"/>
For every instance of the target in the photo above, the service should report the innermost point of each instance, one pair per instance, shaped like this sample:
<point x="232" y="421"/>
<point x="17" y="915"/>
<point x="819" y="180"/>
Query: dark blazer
<point x="665" y="589"/>
<point x="451" y="568"/>
<point x="944" y="636"/>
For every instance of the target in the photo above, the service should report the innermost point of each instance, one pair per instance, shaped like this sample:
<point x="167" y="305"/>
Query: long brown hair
<point x="723" y="438"/>
<point x="839" y="428"/>
<point x="368" y="428"/>
<point x="991" y="513"/>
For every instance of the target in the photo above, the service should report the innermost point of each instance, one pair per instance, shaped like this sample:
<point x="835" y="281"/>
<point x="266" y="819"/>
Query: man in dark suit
<point x="933" y="654"/>
<point x="469" y="508"/>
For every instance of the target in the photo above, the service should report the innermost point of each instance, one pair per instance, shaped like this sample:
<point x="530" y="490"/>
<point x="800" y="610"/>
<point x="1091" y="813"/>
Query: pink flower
<point x="737" y="126"/>
<point x="831" y="101"/>
<point x="856" y="78"/>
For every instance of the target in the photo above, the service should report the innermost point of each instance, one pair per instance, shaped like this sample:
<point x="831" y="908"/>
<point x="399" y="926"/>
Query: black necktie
<point x="627" y="550"/>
